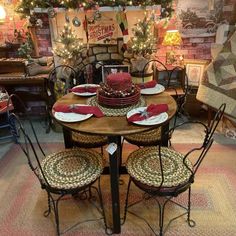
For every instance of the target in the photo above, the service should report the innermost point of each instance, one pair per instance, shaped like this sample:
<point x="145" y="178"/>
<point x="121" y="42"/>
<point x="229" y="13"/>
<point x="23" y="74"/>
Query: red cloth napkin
<point x="149" y="84"/>
<point x="152" y="110"/>
<point x="78" y="109"/>
<point x="86" y="89"/>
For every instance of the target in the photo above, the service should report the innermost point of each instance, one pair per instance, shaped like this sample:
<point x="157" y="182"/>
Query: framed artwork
<point x="195" y="17"/>
<point x="109" y="69"/>
<point x="195" y="70"/>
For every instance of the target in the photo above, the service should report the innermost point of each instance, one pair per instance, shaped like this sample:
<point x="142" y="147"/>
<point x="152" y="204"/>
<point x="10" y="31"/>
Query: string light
<point x="25" y="6"/>
<point x="143" y="40"/>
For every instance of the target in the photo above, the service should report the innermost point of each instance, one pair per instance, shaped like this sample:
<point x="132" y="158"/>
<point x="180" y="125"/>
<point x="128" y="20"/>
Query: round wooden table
<point x="114" y="127"/>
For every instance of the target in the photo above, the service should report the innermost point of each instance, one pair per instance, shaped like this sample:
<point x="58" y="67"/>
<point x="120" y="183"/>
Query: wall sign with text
<point x="103" y="32"/>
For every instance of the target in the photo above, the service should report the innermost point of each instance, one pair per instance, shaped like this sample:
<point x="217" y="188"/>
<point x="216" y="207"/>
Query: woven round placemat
<point x="115" y="111"/>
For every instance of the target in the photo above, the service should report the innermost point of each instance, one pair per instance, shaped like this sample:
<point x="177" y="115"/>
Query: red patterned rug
<point x="213" y="200"/>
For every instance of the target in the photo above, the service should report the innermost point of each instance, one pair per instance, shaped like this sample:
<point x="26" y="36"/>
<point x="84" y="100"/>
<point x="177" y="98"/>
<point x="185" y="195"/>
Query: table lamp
<point x="172" y="38"/>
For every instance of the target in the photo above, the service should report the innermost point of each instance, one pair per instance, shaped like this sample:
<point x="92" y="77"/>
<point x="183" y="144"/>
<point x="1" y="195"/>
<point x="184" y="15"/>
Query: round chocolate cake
<point x="118" y="91"/>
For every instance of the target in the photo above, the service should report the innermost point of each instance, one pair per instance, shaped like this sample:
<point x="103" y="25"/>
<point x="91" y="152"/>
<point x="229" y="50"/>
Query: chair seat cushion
<point x="72" y="168"/>
<point x="89" y="140"/>
<point x="144" y="138"/>
<point x="143" y="165"/>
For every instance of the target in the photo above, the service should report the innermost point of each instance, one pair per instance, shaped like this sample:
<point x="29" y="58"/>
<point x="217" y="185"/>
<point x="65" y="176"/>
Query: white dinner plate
<point x="71" y="117"/>
<point x="86" y="94"/>
<point x="155" y="90"/>
<point x="154" y="120"/>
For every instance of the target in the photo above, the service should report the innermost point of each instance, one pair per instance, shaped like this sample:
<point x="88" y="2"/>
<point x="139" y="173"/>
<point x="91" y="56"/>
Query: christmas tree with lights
<point x="68" y="45"/>
<point x="143" y="41"/>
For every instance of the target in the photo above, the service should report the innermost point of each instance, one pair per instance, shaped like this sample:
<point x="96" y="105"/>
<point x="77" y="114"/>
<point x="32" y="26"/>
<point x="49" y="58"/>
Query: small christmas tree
<point x="69" y="45"/>
<point x="143" y="40"/>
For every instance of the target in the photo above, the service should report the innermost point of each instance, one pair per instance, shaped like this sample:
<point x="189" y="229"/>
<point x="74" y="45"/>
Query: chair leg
<point x="48" y="211"/>
<point x="107" y="229"/>
<point x="161" y="215"/>
<point x="191" y="223"/>
<point x="14" y="130"/>
<point x="57" y="218"/>
<point x="56" y="213"/>
<point x="55" y="207"/>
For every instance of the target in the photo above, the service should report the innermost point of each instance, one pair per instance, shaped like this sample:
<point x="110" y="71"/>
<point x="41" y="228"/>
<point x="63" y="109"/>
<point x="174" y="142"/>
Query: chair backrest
<point x="60" y="80"/>
<point x="208" y="139"/>
<point x="178" y="85"/>
<point x="160" y="71"/>
<point x="90" y="73"/>
<point x="202" y="149"/>
<point x="30" y="146"/>
<point x="178" y="78"/>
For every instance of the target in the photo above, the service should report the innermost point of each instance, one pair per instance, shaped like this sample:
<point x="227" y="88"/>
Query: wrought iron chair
<point x="163" y="173"/>
<point x="154" y="136"/>
<point x="65" y="172"/>
<point x="90" y="73"/>
<point x="62" y="79"/>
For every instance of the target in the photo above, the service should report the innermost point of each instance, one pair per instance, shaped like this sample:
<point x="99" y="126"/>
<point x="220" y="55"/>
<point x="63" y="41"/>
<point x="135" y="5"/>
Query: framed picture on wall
<point x="109" y="69"/>
<point x="195" y="70"/>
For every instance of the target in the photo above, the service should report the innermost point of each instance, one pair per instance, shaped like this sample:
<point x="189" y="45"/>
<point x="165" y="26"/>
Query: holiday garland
<point x="26" y="6"/>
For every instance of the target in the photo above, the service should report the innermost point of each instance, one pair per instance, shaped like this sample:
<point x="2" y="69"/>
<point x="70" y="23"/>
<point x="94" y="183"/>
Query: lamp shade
<point x="2" y="14"/>
<point x="172" y="38"/>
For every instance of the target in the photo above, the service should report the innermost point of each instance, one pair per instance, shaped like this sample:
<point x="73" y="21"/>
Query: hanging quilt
<point x="219" y="80"/>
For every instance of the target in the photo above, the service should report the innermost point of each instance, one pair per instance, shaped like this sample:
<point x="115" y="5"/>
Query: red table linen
<point x="78" y="109"/>
<point x="149" y="84"/>
<point x="86" y="89"/>
<point x="152" y="110"/>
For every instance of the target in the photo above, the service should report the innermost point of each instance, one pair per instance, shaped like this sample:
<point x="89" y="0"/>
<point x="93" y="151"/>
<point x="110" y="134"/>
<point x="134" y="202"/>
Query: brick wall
<point x="44" y="37"/>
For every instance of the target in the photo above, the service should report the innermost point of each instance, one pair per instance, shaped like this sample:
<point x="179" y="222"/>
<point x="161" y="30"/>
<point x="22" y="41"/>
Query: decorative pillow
<point x="219" y="80"/>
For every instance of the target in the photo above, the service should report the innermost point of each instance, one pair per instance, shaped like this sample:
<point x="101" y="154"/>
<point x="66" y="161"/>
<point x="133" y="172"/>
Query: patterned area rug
<point x="213" y="200"/>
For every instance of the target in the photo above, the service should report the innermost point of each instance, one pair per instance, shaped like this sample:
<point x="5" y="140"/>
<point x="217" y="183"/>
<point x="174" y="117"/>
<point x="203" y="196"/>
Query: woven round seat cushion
<point x="89" y="140"/>
<point x="143" y="166"/>
<point x="150" y="137"/>
<point x="72" y="168"/>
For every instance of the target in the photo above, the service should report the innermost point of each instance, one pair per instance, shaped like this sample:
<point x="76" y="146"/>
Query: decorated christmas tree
<point x="68" y="45"/>
<point x="143" y="41"/>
